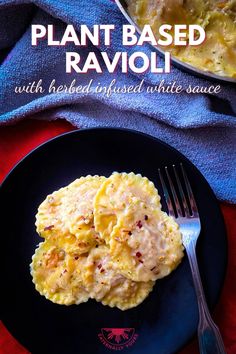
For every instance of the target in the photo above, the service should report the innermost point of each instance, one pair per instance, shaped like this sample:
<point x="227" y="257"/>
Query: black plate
<point x="168" y="318"/>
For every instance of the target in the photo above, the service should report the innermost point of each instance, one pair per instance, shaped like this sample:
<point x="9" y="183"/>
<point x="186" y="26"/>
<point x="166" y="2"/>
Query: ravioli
<point x="66" y="216"/>
<point x="57" y="275"/>
<point x="105" y="239"/>
<point x="146" y="244"/>
<point x="117" y="194"/>
<point x="105" y="283"/>
<point x="217" y="53"/>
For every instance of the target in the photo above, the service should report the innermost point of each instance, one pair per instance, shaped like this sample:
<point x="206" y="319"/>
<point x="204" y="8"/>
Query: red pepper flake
<point x="145" y="217"/>
<point x="139" y="224"/>
<point x="99" y="266"/>
<point x="102" y="270"/>
<point x="65" y="271"/>
<point x="93" y="227"/>
<point x="140" y="261"/>
<point x="76" y="257"/>
<point x="129" y="233"/>
<point x="50" y="227"/>
<point x="138" y="254"/>
<point x="118" y="239"/>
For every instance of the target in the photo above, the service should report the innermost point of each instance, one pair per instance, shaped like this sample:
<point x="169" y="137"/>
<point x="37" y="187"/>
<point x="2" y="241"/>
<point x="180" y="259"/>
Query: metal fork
<point x="184" y="211"/>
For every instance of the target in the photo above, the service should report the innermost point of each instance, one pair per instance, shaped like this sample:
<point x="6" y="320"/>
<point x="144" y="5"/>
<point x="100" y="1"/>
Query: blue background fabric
<point x="203" y="127"/>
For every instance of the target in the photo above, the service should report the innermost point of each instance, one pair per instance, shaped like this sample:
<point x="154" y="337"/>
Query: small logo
<point x="117" y="338"/>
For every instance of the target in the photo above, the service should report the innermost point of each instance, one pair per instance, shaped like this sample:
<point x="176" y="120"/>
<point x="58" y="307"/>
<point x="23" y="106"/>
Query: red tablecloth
<point x="16" y="141"/>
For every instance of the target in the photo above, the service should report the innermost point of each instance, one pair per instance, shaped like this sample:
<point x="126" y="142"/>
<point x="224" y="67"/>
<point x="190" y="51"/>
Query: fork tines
<point x="178" y="195"/>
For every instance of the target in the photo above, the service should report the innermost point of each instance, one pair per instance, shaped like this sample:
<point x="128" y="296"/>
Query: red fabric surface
<point x="16" y="141"/>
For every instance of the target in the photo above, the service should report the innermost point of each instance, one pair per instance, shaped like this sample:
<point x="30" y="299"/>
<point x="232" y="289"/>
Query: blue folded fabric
<point x="203" y="127"/>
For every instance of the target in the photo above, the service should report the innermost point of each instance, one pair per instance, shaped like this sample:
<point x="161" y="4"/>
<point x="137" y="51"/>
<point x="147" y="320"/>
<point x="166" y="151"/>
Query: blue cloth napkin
<point x="203" y="127"/>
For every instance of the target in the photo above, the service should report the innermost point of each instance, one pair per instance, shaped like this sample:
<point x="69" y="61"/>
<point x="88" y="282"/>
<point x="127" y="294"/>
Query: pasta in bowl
<point x="217" y="54"/>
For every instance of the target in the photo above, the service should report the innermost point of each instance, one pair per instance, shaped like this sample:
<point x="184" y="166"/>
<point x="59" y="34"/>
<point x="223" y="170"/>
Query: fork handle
<point x="209" y="337"/>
